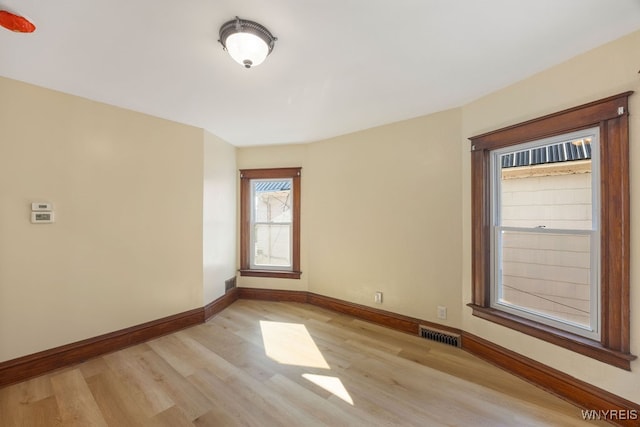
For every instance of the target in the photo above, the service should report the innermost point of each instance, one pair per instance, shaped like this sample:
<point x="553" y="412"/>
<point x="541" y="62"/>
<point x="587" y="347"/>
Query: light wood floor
<point x="283" y="364"/>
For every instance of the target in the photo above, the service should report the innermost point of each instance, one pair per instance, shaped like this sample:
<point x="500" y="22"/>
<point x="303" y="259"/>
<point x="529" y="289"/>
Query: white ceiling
<point x="338" y="66"/>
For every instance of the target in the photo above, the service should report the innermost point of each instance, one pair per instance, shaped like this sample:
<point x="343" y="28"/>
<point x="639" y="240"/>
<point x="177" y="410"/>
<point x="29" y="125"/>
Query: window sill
<point x="555" y="336"/>
<point x="276" y="274"/>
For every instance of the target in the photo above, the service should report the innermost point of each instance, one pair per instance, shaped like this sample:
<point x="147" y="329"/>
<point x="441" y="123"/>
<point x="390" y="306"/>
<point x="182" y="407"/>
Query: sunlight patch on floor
<point x="291" y="344"/>
<point x="332" y="384"/>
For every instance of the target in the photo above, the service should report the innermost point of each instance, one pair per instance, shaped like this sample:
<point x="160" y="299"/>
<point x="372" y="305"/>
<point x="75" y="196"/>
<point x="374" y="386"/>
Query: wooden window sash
<point x="246" y="175"/>
<point x="611" y="116"/>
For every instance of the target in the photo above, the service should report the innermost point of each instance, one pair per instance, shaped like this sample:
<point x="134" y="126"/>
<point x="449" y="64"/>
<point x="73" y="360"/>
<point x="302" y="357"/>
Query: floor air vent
<point x="440" y="336"/>
<point x="229" y="284"/>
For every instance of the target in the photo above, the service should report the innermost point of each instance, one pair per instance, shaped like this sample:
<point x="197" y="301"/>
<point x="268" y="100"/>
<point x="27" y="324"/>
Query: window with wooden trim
<point x="270" y="222"/>
<point x="550" y="224"/>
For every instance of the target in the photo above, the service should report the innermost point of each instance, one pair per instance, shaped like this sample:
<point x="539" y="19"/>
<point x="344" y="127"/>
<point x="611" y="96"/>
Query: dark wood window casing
<point x="611" y="116"/>
<point x="246" y="175"/>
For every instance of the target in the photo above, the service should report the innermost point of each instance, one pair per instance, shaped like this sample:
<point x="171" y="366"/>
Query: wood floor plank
<point x="93" y="367"/>
<point x="186" y="397"/>
<point x="233" y="406"/>
<point x="387" y="402"/>
<point x="247" y="356"/>
<point x="31" y="403"/>
<point x="183" y="353"/>
<point x="218" y="417"/>
<point x="261" y="398"/>
<point x="263" y="363"/>
<point x="75" y="401"/>
<point x="42" y="413"/>
<point x="434" y="391"/>
<point x="115" y="400"/>
<point x="317" y="406"/>
<point x="128" y="368"/>
<point x="172" y="417"/>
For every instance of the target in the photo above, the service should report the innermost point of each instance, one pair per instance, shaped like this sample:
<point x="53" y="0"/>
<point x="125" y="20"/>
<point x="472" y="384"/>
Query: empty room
<point x="323" y="213"/>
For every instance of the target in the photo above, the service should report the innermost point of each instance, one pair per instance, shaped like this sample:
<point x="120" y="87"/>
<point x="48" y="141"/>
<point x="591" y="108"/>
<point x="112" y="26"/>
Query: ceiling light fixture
<point x="248" y="42"/>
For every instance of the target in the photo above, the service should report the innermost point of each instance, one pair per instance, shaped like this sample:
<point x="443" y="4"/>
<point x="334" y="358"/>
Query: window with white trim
<point x="545" y="231"/>
<point x="271" y="224"/>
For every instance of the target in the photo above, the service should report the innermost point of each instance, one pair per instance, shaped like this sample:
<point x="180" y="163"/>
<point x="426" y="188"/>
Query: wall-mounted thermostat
<point x="41" y="217"/>
<point x="42" y="213"/>
<point x="41" y="207"/>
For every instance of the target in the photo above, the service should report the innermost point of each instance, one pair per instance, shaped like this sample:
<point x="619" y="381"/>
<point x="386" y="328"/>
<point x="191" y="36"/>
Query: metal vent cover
<point x="229" y="284"/>
<point x="440" y="336"/>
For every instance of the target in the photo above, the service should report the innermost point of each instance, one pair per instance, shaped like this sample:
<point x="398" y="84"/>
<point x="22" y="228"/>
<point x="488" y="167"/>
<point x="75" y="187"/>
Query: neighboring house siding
<point x="549" y="273"/>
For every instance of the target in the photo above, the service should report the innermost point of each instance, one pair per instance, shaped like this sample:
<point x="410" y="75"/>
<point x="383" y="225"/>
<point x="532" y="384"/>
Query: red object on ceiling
<point x="16" y="23"/>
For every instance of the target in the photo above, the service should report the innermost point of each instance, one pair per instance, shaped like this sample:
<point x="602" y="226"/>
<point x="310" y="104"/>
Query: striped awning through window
<point x="263" y="186"/>
<point x="563" y="152"/>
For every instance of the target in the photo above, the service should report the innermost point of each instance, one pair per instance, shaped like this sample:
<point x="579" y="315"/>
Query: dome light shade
<point x="247" y="49"/>
<point x="248" y="42"/>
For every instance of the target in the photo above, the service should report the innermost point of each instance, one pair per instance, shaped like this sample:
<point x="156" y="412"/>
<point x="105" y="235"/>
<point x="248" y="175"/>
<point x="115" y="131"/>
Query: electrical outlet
<point x="442" y="312"/>
<point x="378" y="298"/>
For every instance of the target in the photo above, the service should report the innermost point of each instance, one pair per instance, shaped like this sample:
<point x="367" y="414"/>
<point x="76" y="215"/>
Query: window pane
<point x="547" y="186"/>
<point x="272" y="201"/>
<point x="547" y="273"/>
<point x="272" y="245"/>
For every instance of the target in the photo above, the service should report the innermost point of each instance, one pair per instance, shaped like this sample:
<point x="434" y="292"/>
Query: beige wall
<point x="380" y="212"/>
<point x="219" y="216"/>
<point x="126" y="246"/>
<point x="605" y="71"/>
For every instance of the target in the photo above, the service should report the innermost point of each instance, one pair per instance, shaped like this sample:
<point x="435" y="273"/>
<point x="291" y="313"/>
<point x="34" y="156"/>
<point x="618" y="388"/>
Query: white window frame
<point x="254" y="223"/>
<point x="594" y="331"/>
